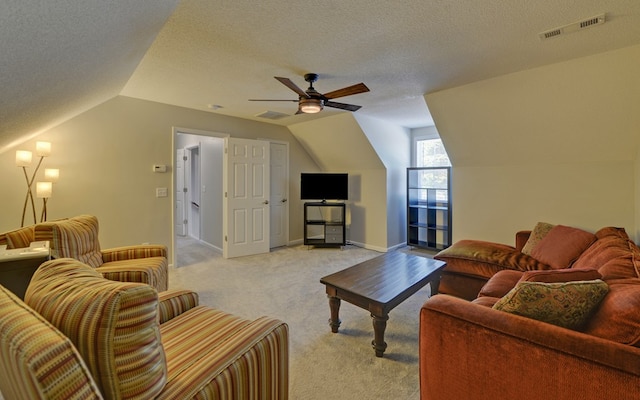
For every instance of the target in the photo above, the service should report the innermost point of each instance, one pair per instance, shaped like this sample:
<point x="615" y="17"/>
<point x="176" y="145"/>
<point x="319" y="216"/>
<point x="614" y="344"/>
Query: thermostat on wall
<point x="159" y="168"/>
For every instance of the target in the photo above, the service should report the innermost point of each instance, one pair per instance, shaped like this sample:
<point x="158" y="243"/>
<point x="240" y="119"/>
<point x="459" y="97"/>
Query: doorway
<point x="208" y="187"/>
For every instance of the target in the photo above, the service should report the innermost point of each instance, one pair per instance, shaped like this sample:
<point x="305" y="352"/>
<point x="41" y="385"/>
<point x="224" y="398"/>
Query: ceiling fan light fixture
<point x="311" y="106"/>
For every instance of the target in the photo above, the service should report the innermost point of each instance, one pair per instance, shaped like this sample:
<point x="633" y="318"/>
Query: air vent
<point x="272" y="115"/>
<point x="576" y="26"/>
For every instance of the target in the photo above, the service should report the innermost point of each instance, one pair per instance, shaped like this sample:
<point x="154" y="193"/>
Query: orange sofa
<point x="469" y="350"/>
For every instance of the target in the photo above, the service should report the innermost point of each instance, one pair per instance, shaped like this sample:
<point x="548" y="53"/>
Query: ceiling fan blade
<point x="295" y="101"/>
<point x="343" y="106"/>
<point x="348" y="91"/>
<point x="288" y="83"/>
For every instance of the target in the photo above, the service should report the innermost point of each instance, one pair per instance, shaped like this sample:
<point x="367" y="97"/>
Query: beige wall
<point x="637" y="195"/>
<point x="557" y="143"/>
<point x="375" y="154"/>
<point x="106" y="156"/>
<point x="392" y="143"/>
<point x="337" y="144"/>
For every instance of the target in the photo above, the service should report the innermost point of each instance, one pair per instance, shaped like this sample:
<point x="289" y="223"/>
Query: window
<point x="431" y="153"/>
<point x="428" y="151"/>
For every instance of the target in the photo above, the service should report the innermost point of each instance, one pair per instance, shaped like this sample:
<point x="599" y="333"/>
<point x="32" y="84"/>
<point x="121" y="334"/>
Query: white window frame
<point x="428" y="133"/>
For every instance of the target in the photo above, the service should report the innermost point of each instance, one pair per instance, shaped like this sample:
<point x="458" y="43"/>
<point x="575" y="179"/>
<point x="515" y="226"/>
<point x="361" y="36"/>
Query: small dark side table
<point x="17" y="266"/>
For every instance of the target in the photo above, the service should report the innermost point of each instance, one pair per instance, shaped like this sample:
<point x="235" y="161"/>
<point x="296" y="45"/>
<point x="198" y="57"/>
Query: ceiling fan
<point x="311" y="101"/>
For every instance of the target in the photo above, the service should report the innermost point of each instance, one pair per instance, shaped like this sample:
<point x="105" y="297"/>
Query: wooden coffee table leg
<point x="379" y="326"/>
<point x="334" y="321"/>
<point x="435" y="285"/>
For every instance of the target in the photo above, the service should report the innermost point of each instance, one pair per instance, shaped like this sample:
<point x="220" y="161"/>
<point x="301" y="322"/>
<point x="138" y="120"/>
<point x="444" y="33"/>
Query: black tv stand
<point x="324" y="224"/>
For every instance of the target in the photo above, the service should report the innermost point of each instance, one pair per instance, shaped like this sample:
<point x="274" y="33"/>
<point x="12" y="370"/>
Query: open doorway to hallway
<point x="199" y="190"/>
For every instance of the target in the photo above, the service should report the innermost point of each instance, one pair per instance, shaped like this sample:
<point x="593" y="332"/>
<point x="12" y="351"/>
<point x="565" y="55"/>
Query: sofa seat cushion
<point x="618" y="317"/>
<point x="36" y="360"/>
<point x="484" y="259"/>
<point x="613" y="254"/>
<point x="562" y="246"/>
<point x="212" y="354"/>
<point x="486" y="301"/>
<point x="501" y="283"/>
<point x="113" y="325"/>
<point x="561" y="275"/>
<point x="565" y="304"/>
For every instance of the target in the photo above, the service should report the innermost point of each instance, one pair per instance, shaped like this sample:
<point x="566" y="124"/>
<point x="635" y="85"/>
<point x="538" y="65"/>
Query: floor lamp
<point x="23" y="159"/>
<point x="43" y="191"/>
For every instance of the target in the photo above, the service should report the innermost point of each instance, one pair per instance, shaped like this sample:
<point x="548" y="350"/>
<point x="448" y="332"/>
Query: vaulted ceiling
<point x="61" y="58"/>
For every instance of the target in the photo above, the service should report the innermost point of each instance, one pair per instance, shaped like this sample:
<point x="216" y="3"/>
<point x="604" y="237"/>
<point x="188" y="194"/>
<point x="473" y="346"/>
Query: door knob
<point x="265" y="202"/>
<point x="284" y="200"/>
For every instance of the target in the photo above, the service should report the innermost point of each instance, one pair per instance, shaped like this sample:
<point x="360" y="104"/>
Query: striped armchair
<point x="80" y="336"/>
<point x="77" y="238"/>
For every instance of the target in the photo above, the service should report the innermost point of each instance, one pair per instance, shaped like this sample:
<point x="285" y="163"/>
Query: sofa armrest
<point x="471" y="351"/>
<point x="152" y="271"/>
<point x="134" y="252"/>
<point x="521" y="239"/>
<point x="172" y="303"/>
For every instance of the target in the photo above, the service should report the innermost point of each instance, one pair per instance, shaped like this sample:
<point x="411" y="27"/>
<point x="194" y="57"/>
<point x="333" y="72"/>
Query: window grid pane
<point x="431" y="153"/>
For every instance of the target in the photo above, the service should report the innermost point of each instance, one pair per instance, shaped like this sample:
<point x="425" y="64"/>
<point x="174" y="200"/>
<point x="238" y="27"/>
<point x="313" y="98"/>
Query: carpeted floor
<point x="286" y="284"/>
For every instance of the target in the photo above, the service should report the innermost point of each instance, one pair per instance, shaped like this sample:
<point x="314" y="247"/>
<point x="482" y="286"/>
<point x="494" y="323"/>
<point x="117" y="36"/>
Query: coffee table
<point x="379" y="285"/>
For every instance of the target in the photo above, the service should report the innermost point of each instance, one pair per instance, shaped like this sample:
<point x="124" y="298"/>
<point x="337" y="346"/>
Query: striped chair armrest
<point x="18" y="238"/>
<point x="153" y="271"/>
<point x="172" y="303"/>
<point x="215" y="355"/>
<point x="134" y="252"/>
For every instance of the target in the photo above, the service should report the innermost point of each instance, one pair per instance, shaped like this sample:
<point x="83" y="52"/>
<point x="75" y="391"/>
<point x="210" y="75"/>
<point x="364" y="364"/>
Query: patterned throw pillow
<point x="567" y="304"/>
<point x="539" y="231"/>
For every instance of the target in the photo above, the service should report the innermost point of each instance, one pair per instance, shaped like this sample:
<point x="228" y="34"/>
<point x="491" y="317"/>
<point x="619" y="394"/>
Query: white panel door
<point x="246" y="197"/>
<point x="279" y="219"/>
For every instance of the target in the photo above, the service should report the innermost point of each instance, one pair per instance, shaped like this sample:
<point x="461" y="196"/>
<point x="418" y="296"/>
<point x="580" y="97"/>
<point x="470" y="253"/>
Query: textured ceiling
<point x="61" y="58"/>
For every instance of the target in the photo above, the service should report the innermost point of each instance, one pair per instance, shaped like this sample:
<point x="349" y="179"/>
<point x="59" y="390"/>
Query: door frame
<point x="175" y="130"/>
<point x="287" y="197"/>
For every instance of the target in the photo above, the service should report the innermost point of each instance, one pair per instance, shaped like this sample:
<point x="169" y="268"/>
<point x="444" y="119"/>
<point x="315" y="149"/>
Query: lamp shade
<point x="43" y="189"/>
<point x="311" y="106"/>
<point x="23" y="158"/>
<point x="43" y="149"/>
<point x="52" y="174"/>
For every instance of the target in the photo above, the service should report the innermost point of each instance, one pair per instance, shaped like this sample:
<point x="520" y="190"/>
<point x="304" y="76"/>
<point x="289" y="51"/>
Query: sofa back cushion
<point x="537" y="234"/>
<point x="613" y="254"/>
<point x="112" y="324"/>
<point x="562" y="246"/>
<point x="36" y="360"/>
<point x="618" y="317"/>
<point x="75" y="237"/>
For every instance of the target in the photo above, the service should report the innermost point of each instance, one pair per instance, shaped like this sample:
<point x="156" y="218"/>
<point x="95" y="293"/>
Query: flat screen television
<point x="324" y="186"/>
